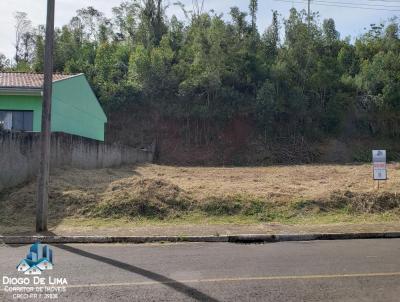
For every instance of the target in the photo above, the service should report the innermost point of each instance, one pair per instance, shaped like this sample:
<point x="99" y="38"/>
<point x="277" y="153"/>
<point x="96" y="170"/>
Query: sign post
<point x="379" y="163"/>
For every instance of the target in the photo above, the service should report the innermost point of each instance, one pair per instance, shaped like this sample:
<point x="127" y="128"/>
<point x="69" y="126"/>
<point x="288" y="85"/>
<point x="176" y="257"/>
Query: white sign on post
<point x="379" y="162"/>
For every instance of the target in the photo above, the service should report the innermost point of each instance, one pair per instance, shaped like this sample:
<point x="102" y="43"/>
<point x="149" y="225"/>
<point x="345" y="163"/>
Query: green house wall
<point x="24" y="102"/>
<point x="75" y="108"/>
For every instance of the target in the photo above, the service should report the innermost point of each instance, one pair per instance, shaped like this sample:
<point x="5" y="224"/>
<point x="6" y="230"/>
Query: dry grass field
<point x="284" y="183"/>
<point x="146" y="194"/>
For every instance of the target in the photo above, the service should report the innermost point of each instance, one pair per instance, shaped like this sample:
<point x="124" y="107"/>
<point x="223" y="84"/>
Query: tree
<point x="90" y="19"/>
<point x="150" y="70"/>
<point x="152" y="26"/>
<point x="125" y="19"/>
<point x="23" y="36"/>
<point x="253" y="7"/>
<point x="38" y="61"/>
<point x="239" y="21"/>
<point x="4" y="63"/>
<point x="271" y="37"/>
<point x="329" y="30"/>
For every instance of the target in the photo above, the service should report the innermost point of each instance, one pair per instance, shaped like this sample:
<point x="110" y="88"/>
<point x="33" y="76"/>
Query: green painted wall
<point x="24" y="102"/>
<point x="75" y="109"/>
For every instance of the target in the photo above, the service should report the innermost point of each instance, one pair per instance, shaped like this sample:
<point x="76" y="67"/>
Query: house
<point x="33" y="270"/>
<point x="75" y="108"/>
<point x="39" y="258"/>
<point x="44" y="264"/>
<point x="24" y="265"/>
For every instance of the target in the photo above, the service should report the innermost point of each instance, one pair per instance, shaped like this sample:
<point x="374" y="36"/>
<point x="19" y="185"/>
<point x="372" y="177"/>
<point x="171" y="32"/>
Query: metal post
<point x="43" y="178"/>
<point x="309" y="13"/>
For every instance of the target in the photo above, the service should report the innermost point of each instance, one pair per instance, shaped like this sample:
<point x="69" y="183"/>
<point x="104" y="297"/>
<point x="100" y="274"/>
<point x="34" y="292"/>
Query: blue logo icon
<point x="39" y="258"/>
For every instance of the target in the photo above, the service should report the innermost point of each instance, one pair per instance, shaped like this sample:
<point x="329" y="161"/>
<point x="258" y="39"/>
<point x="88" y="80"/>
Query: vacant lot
<point x="148" y="194"/>
<point x="284" y="183"/>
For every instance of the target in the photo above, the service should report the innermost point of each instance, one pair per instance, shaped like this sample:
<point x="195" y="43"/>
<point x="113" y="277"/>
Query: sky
<point x="349" y="21"/>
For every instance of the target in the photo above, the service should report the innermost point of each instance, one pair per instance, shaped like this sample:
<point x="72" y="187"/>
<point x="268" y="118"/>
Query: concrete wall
<point x="20" y="155"/>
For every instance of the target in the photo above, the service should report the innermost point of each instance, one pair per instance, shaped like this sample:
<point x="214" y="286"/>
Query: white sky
<point x="348" y="21"/>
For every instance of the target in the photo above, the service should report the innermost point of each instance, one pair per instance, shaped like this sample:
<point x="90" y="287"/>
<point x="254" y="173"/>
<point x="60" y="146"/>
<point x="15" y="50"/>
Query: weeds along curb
<point x="224" y="238"/>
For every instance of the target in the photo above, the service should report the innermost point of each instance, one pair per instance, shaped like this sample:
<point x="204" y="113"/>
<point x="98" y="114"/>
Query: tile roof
<point x="26" y="80"/>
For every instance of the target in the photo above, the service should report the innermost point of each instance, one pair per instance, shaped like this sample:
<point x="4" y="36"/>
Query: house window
<point x="16" y="120"/>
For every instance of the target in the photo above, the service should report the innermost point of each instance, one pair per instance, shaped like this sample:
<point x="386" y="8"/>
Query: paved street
<point x="354" y="270"/>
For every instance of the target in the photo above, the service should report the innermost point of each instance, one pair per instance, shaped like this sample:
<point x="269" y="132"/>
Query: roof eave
<point x="31" y="91"/>
<point x="68" y="78"/>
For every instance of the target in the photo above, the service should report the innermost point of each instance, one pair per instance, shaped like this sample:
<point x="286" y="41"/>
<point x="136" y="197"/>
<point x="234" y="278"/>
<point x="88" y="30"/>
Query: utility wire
<point x="344" y="6"/>
<point x="393" y="1"/>
<point x="387" y="1"/>
<point x="352" y="3"/>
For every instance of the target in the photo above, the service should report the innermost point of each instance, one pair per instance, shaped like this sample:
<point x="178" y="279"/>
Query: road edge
<point x="244" y="238"/>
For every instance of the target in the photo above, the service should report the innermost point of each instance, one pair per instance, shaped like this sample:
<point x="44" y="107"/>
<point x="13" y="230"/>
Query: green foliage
<point x="209" y="71"/>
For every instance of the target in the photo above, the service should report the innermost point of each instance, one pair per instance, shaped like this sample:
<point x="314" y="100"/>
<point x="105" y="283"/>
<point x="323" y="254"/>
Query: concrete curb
<point x="225" y="238"/>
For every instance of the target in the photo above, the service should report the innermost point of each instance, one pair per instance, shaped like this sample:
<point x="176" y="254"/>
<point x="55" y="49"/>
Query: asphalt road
<point x="353" y="270"/>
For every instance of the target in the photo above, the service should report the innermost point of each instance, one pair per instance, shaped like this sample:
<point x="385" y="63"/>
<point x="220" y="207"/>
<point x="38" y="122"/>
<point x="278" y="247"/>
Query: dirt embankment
<point x="162" y="192"/>
<point x="238" y="142"/>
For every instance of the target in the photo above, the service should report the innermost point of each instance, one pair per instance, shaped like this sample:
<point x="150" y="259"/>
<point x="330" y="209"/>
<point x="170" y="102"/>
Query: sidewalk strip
<point x="245" y="238"/>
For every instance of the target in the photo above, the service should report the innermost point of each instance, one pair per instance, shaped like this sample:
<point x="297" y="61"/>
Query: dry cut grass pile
<point x="283" y="183"/>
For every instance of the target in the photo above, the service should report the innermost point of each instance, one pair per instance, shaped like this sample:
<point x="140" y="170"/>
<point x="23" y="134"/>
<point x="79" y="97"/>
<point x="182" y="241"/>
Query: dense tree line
<point x="297" y="77"/>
